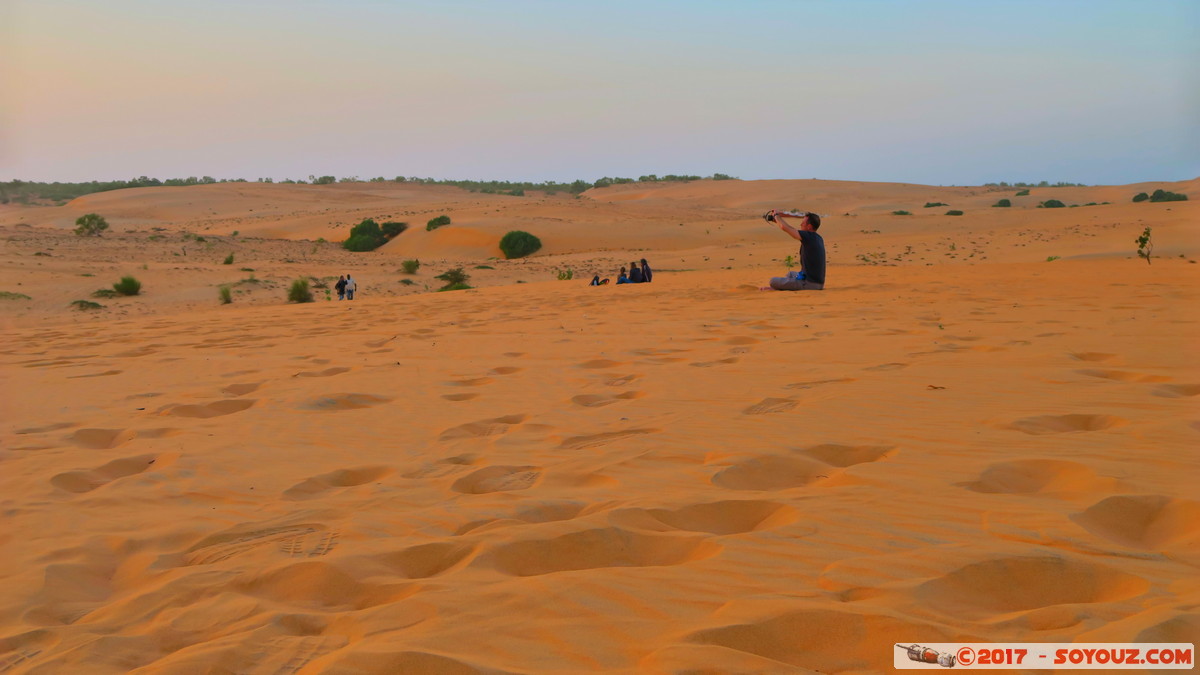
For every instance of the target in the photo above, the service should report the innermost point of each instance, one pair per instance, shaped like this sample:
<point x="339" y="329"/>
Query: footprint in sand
<point x="498" y="479"/>
<point x="20" y="649"/>
<point x="43" y="429"/>
<point x="1038" y="476"/>
<point x="598" y="548"/>
<point x="473" y="382"/>
<point x="505" y="370"/>
<point x="772" y="472"/>
<point x="887" y="366"/>
<point x="241" y="540"/>
<point x="596" y="440"/>
<point x="621" y="381"/>
<point x="720" y="518"/>
<point x="241" y="389"/>
<point x="1177" y="390"/>
<point x="844" y="456"/>
<point x="460" y="397"/>
<point x="514" y="355"/>
<point x="102" y="439"/>
<point x="318" y="486"/>
<point x="1062" y="424"/>
<point x="816" y="383"/>
<point x="771" y="405"/>
<point x="1093" y="356"/>
<point x="334" y="402"/>
<point x="442" y="467"/>
<point x="425" y="560"/>
<point x="596" y="364"/>
<point x="328" y="372"/>
<point x="601" y="400"/>
<point x="719" y="362"/>
<point x="1150" y="522"/>
<point x="86" y="480"/>
<point x="482" y="428"/>
<point x="103" y="374"/>
<point x="537" y="512"/>
<point x="1047" y="580"/>
<point x="1123" y="376"/>
<point x="216" y="409"/>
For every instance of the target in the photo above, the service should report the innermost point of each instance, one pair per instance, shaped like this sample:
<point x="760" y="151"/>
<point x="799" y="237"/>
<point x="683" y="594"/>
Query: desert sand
<point x="984" y="429"/>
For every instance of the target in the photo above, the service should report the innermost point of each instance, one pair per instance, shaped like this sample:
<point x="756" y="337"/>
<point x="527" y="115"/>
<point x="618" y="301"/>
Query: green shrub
<point x="128" y="286"/>
<point x="1022" y="193"/>
<point x="454" y="277"/>
<point x="90" y="225"/>
<point x="85" y="305"/>
<point x="1141" y="197"/>
<point x="1003" y="204"/>
<point x="107" y="293"/>
<point x="1051" y="204"/>
<point x="930" y="205"/>
<point x="9" y="295"/>
<point x="1164" y="196"/>
<point x="365" y="236"/>
<point x="1052" y="258"/>
<point x="228" y="260"/>
<point x="901" y="213"/>
<point x="954" y="213"/>
<point x="440" y="221"/>
<point x="484" y="267"/>
<point x="566" y="275"/>
<point x="225" y="295"/>
<point x="454" y="287"/>
<point x="1145" y="245"/>
<point x="299" y="291"/>
<point x="410" y="266"/>
<point x="393" y="229"/>
<point x="518" y="244"/>
<point x="407" y="282"/>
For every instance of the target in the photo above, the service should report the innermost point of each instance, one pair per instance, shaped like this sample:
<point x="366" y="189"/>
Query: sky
<point x="920" y="91"/>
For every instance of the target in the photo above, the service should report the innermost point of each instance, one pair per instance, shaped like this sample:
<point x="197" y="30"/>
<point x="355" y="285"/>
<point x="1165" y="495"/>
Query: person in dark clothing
<point x="597" y="281"/>
<point x="635" y="274"/>
<point x="341" y="287"/>
<point x="622" y="278"/>
<point x="811" y="276"/>
<point x="647" y="275"/>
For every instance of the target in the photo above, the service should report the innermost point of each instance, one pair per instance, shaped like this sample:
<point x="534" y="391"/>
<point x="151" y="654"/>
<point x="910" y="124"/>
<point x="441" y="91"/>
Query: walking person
<point x="351" y="286"/>
<point x="341" y="287"/>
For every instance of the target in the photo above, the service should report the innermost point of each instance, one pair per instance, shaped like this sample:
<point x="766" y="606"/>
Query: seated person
<point x="635" y="274"/>
<point x="621" y="278"/>
<point x="597" y="281"/>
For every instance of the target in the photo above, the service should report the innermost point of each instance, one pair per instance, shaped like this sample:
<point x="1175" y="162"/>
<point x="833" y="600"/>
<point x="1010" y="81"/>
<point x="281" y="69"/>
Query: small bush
<point x="1052" y="258"/>
<point x="85" y="305"/>
<point x="440" y="221"/>
<point x="407" y="282"/>
<point x="1145" y="245"/>
<point x="225" y="295"/>
<point x="9" y="295"/>
<point x="1051" y="204"/>
<point x="930" y="205"/>
<point x="954" y="213"/>
<point x="454" y="277"/>
<point x="1002" y="204"/>
<point x="391" y="229"/>
<point x="365" y="236"/>
<point x="299" y="291"/>
<point x="484" y="267"/>
<point x="107" y="293"/>
<point x="454" y="287"/>
<point x="518" y="244"/>
<point x="1164" y="196"/>
<point x="1141" y="197"/>
<point x="1022" y="193"/>
<point x="566" y="275"/>
<point x="901" y="213"/>
<point x="410" y="266"/>
<point x="128" y="286"/>
<point x="228" y="260"/>
<point x="90" y="225"/>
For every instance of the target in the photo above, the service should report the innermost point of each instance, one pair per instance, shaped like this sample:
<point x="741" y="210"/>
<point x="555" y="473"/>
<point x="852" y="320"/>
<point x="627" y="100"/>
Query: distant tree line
<point x="1040" y="184"/>
<point x="23" y="192"/>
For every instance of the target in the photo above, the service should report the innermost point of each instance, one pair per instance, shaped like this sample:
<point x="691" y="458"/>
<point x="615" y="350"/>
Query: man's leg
<point x="788" y="283"/>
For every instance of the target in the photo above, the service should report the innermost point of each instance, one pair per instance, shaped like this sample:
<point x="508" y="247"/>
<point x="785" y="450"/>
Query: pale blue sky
<point x="919" y="91"/>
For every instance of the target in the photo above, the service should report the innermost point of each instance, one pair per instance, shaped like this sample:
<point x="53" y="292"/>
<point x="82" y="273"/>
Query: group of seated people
<point x="636" y="275"/>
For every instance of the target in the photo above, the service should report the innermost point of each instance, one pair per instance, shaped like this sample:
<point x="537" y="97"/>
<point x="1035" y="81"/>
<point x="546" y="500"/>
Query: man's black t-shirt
<point x="812" y="256"/>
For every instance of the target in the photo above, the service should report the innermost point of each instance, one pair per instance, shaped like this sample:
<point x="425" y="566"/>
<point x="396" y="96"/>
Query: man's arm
<point x="791" y="231"/>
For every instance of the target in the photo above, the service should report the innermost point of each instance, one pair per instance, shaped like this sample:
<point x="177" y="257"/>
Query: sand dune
<point x="950" y="443"/>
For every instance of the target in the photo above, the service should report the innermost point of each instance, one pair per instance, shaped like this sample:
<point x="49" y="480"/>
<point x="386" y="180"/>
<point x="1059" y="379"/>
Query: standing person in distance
<point x="647" y="274"/>
<point x="351" y="286"/>
<point x="341" y="287"/>
<point x="811" y="276"/>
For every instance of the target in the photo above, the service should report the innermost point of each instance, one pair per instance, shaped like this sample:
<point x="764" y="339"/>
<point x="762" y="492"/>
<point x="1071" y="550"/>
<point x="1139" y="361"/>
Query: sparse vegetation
<point x="1052" y="258"/>
<point x="299" y="292"/>
<point x="1043" y="184"/>
<point x="86" y="305"/>
<point x="228" y="260"/>
<point x="789" y="262"/>
<point x="9" y="295"/>
<point x="225" y="295"/>
<point x="90" y="225"/>
<point x="1002" y="204"/>
<point x="1022" y="193"/>
<point x="407" y="282"/>
<point x="105" y="293"/>
<point x="954" y="212"/>
<point x="901" y="213"/>
<point x="392" y="229"/>
<point x="930" y="205"/>
<point x="518" y="244"/>
<point x="1164" y="196"/>
<point x="1051" y="204"/>
<point x="410" y="266"/>
<point x="435" y="223"/>
<point x="1145" y="245"/>
<point x="484" y="267"/>
<point x="128" y="286"/>
<point x="454" y="276"/>
<point x="566" y="275"/>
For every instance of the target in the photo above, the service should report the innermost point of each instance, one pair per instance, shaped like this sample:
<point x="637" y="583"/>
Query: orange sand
<point x="957" y="441"/>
